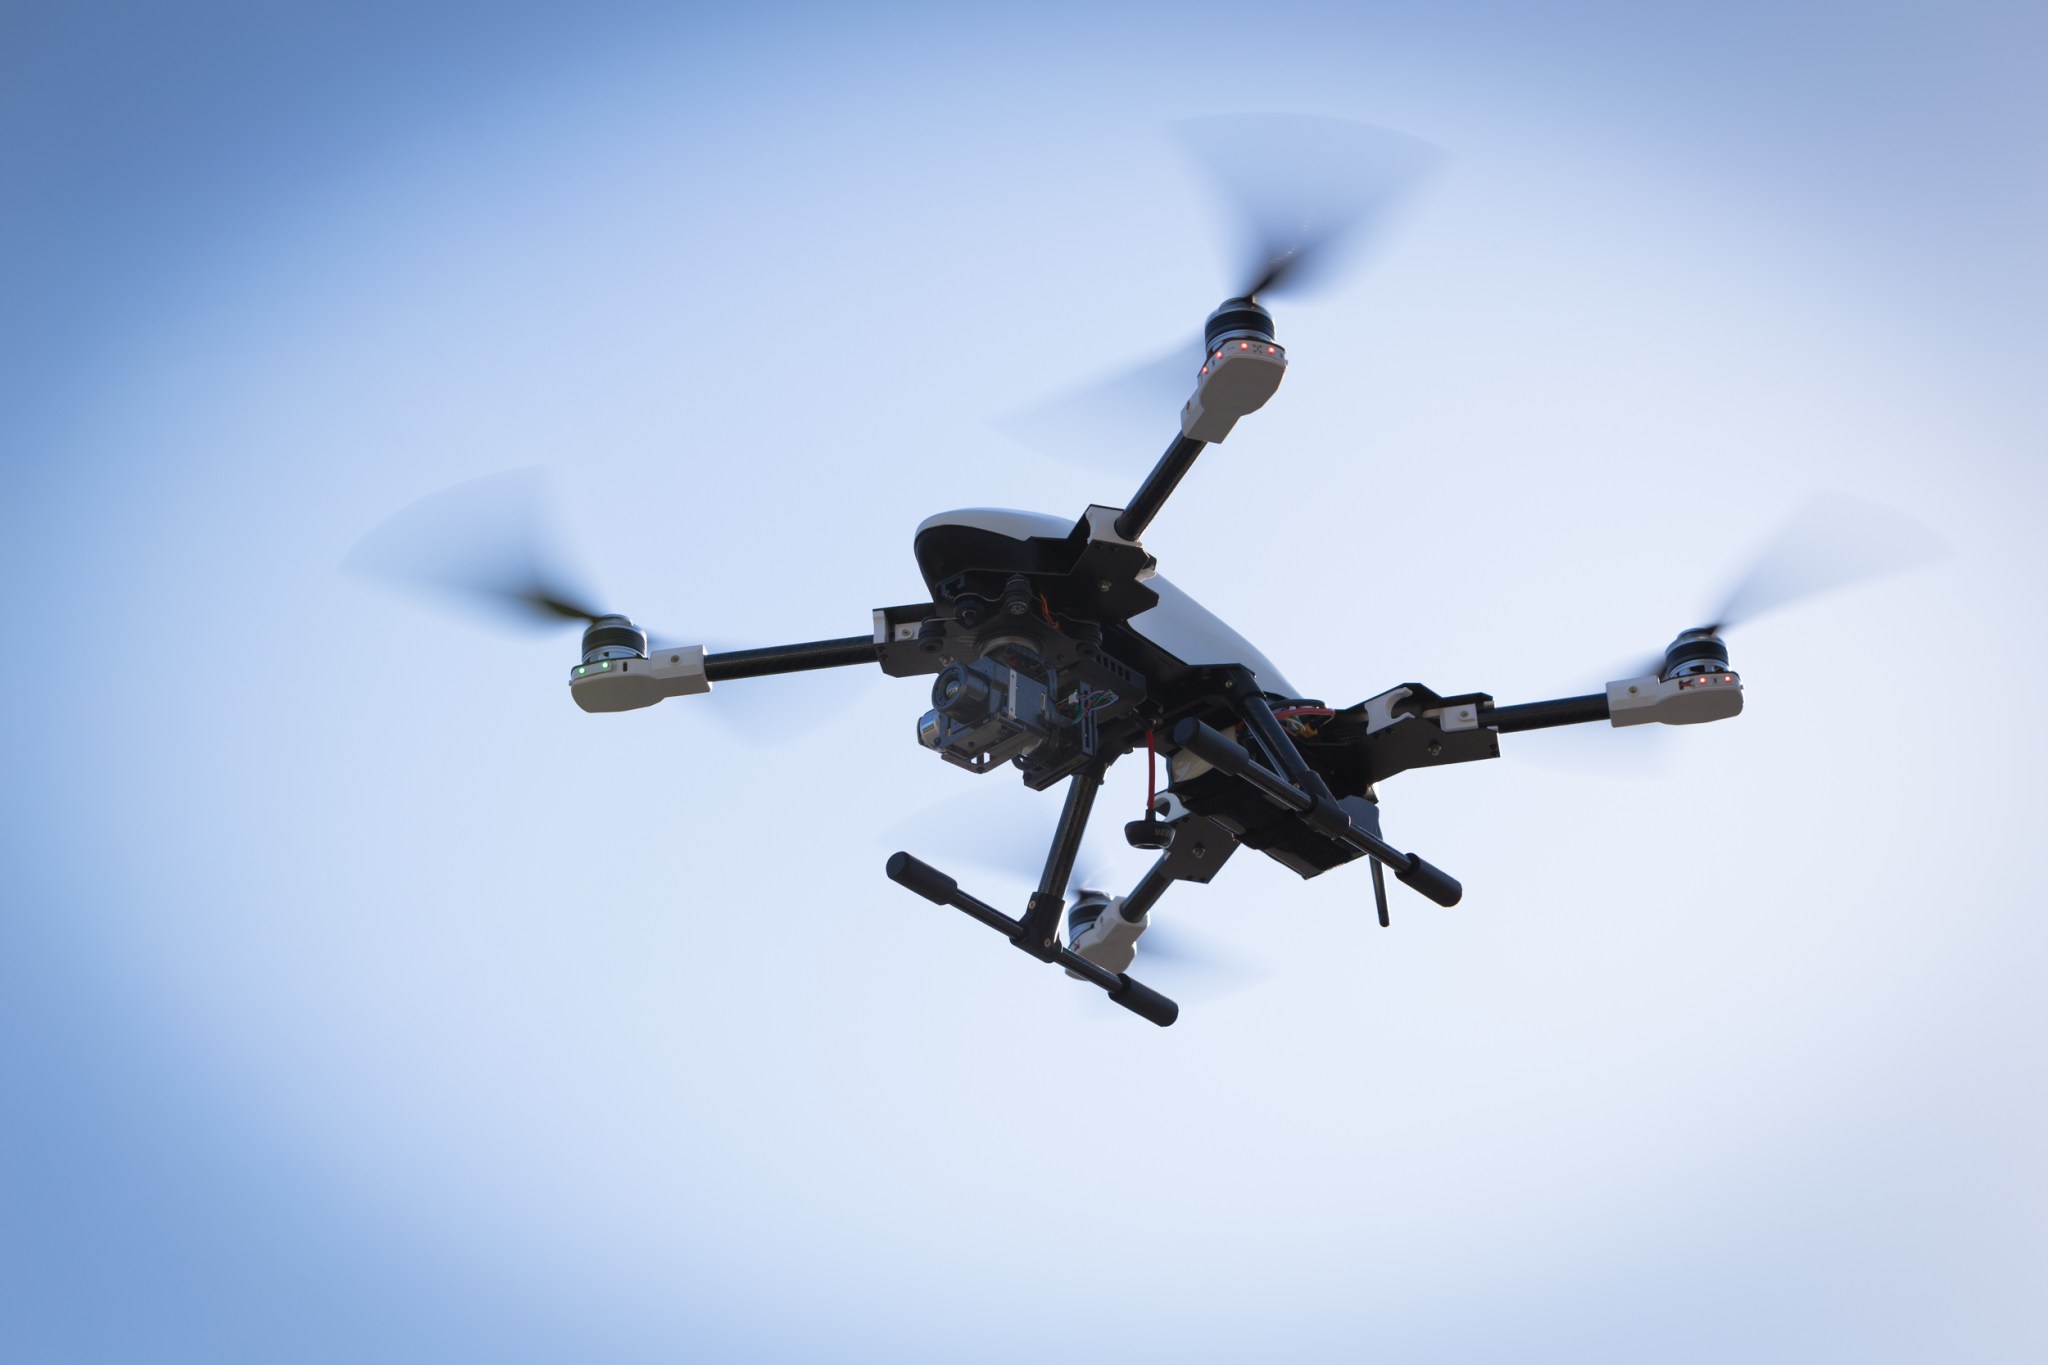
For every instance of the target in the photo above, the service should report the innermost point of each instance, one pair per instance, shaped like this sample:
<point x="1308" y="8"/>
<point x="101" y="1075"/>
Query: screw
<point x="1102" y="585"/>
<point x="1201" y="851"/>
<point x="1632" y="691"/>
<point x="1435" y="749"/>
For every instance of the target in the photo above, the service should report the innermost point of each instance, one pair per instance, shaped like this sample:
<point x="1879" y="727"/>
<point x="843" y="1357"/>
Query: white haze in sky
<point x="366" y="1000"/>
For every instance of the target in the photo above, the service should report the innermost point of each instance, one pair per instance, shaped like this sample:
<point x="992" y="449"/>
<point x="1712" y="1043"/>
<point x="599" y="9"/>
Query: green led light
<point x="580" y="670"/>
<point x="606" y="664"/>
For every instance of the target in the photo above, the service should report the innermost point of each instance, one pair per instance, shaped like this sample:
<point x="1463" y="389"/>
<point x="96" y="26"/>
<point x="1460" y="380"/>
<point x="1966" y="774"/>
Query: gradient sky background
<point x="363" y="999"/>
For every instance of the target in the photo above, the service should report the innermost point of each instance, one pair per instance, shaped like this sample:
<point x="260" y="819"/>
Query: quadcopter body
<point x="1054" y="647"/>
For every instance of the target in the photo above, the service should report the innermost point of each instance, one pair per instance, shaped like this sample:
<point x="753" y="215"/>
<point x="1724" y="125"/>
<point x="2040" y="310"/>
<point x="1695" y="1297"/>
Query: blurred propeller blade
<point x="1635" y="751"/>
<point x="485" y="542"/>
<point x="783" y="708"/>
<point x="1098" y="875"/>
<point x="1127" y="417"/>
<point x="1835" y="541"/>
<point x="1169" y="940"/>
<point x="1306" y="191"/>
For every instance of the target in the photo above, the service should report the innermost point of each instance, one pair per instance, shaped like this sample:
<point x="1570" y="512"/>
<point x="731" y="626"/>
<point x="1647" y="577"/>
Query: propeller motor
<point x="613" y="637"/>
<point x="1241" y="368"/>
<point x="1695" y="652"/>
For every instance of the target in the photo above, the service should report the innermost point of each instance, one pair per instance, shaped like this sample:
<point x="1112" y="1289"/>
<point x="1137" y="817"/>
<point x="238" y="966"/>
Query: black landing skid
<point x="1195" y="848"/>
<point x="1038" y="932"/>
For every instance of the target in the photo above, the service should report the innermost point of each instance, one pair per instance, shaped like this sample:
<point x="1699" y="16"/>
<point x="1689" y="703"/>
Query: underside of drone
<point x="1055" y="648"/>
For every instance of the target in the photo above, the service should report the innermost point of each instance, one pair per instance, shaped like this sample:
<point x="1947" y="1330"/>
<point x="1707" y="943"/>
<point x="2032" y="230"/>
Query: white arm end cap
<point x="629" y="684"/>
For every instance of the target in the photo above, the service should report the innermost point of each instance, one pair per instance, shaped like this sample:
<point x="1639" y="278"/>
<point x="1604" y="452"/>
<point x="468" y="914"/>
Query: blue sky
<point x="367" y="1000"/>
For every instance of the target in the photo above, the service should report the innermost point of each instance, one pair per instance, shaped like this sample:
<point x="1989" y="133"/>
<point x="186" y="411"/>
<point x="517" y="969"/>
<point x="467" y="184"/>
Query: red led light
<point x="1244" y="345"/>
<point x="1272" y="350"/>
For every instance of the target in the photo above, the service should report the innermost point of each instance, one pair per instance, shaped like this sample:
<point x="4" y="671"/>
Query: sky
<point x="363" y="998"/>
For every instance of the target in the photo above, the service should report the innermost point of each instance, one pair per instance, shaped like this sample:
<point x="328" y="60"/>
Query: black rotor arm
<point x="761" y="663"/>
<point x="1158" y="486"/>
<point x="1542" y="715"/>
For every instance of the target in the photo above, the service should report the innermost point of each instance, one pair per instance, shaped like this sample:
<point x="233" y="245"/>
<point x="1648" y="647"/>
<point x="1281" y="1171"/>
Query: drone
<point x="1055" y="647"/>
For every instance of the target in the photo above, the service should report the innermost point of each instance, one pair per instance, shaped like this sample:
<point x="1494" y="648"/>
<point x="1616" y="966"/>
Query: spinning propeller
<point x="487" y="548"/>
<point x="1835" y="541"/>
<point x="484" y="544"/>
<point x="1304" y="191"/>
<point x="1306" y="194"/>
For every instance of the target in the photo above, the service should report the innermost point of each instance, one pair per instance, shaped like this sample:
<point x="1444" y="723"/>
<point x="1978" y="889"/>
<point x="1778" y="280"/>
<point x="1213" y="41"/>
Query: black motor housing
<point x="613" y="637"/>
<point x="1237" y="320"/>
<point x="1695" y="651"/>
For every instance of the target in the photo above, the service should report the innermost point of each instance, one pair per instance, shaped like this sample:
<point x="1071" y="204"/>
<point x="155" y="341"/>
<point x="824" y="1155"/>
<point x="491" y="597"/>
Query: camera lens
<point x="960" y="693"/>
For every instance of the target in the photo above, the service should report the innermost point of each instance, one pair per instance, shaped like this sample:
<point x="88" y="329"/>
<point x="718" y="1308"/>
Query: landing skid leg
<point x="1039" y="930"/>
<point x="936" y="887"/>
